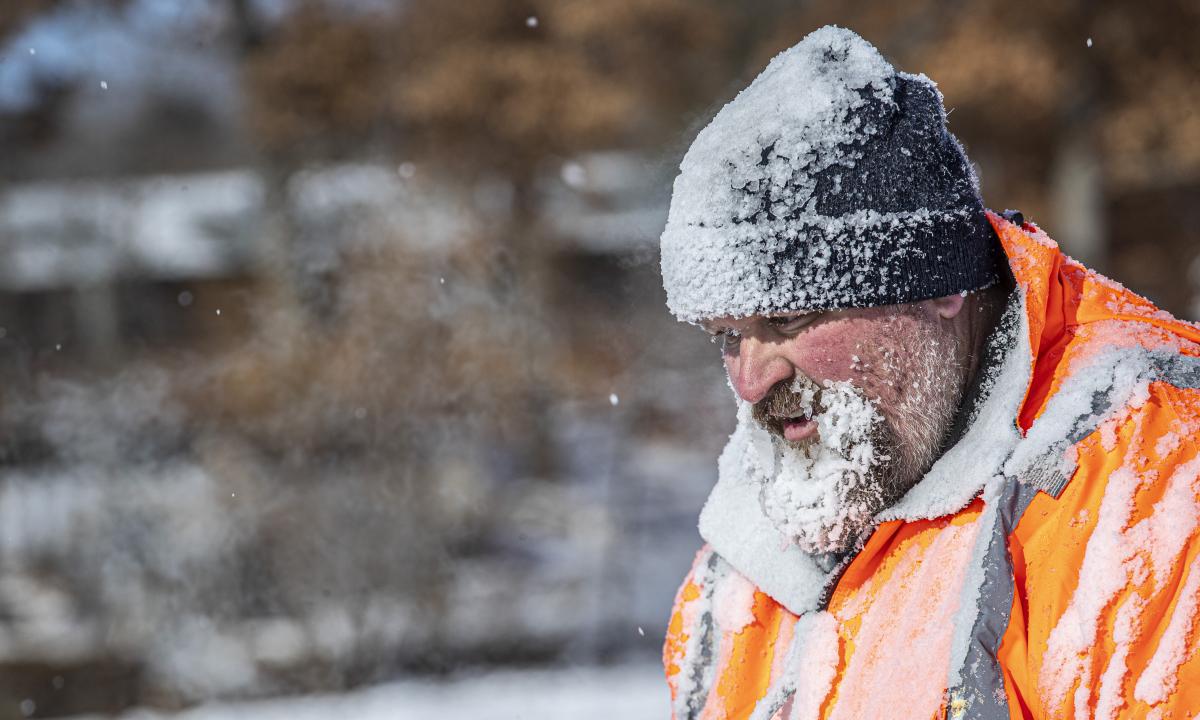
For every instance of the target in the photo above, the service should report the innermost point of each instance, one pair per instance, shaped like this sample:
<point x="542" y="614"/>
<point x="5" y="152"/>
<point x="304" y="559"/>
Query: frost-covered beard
<point x="824" y="493"/>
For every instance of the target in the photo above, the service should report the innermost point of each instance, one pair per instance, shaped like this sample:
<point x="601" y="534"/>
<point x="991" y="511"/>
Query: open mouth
<point x="793" y="425"/>
<point x="790" y="413"/>
<point x="797" y="429"/>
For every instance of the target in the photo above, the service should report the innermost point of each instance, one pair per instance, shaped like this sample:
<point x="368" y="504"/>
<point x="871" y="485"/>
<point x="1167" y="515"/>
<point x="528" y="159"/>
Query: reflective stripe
<point x="694" y="693"/>
<point x="980" y="690"/>
<point x="1182" y="371"/>
<point x="1046" y="475"/>
<point x="1044" y="468"/>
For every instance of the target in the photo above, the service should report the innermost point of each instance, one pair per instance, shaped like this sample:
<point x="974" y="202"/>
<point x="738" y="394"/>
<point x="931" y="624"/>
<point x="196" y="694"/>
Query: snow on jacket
<point x="1046" y="567"/>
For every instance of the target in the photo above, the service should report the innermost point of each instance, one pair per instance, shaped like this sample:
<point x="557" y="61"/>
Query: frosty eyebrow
<point x="792" y="321"/>
<point x="789" y="317"/>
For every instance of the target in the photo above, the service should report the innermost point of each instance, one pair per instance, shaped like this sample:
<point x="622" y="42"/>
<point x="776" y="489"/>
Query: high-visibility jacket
<point x="1047" y="566"/>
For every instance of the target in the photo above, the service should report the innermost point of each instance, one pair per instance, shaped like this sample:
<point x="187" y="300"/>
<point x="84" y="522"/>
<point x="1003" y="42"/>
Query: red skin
<point x="862" y="346"/>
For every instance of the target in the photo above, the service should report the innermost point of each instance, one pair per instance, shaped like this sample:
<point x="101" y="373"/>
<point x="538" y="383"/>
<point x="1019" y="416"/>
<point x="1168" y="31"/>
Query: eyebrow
<point x="711" y="327"/>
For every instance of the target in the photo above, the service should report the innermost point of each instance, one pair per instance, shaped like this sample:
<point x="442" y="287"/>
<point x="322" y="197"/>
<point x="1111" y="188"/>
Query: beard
<point x="823" y="493"/>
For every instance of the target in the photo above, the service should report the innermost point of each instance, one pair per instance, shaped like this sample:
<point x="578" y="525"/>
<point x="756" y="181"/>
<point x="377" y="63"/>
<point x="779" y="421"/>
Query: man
<point x="964" y="478"/>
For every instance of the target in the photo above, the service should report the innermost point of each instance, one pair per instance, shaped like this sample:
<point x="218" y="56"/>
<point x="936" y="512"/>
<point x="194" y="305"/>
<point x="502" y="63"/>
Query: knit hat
<point x="830" y="182"/>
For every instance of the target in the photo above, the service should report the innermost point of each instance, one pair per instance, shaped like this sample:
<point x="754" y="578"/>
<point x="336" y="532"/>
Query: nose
<point x="756" y="368"/>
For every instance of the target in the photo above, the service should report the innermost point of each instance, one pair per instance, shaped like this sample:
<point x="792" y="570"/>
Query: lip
<point x="798" y="429"/>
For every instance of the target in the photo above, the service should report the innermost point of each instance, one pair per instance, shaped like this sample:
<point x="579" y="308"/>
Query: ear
<point x="947" y="307"/>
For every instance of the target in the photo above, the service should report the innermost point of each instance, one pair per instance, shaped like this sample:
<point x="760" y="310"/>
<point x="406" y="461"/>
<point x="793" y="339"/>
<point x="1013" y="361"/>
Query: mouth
<point x="790" y="413"/>
<point x="798" y="429"/>
<point x="795" y="426"/>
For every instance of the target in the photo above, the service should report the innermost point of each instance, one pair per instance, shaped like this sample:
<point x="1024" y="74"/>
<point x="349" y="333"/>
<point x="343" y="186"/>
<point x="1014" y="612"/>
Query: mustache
<point x="787" y="399"/>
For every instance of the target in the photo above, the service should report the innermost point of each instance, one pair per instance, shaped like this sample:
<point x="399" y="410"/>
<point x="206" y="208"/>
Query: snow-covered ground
<point x="628" y="692"/>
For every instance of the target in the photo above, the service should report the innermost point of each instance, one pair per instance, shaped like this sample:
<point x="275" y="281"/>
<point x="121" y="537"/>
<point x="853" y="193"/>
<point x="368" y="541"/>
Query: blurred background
<point x="333" y="354"/>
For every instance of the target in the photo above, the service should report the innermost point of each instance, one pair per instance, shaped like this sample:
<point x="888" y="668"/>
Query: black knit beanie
<point x="830" y="182"/>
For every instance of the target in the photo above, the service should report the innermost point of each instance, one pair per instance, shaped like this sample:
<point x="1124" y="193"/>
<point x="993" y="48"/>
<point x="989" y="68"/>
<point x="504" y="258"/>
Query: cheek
<point x="865" y="353"/>
<point x="836" y="351"/>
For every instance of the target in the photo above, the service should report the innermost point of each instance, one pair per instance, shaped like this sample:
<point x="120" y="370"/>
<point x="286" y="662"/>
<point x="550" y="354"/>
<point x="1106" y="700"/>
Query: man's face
<point x="858" y="401"/>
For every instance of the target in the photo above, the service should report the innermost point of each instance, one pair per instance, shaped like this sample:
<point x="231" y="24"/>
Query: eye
<point x="788" y="324"/>
<point x="727" y="338"/>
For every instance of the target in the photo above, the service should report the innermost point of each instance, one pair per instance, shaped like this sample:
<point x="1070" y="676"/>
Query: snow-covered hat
<point x="830" y="182"/>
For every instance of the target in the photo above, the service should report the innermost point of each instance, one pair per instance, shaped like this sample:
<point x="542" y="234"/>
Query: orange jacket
<point x="1046" y="567"/>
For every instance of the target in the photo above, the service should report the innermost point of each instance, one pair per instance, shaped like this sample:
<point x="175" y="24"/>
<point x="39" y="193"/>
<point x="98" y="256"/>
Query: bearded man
<point x="965" y="479"/>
